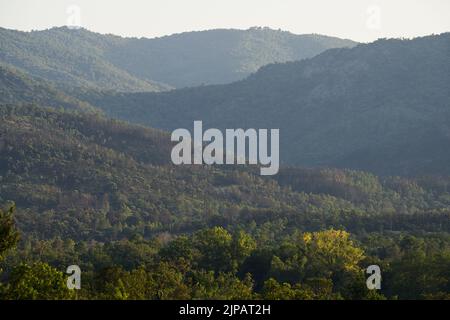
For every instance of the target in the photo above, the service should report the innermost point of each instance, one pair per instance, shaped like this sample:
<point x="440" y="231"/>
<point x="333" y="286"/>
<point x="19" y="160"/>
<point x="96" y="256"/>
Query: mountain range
<point x="18" y="88"/>
<point x="78" y="57"/>
<point x="383" y="107"/>
<point x="82" y="176"/>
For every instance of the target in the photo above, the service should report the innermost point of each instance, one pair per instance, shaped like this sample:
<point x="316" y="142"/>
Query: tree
<point x="8" y="233"/>
<point x="166" y="283"/>
<point x="243" y="245"/>
<point x="315" y="289"/>
<point x="215" y="246"/>
<point x="332" y="251"/>
<point x="37" y="281"/>
<point x="180" y="253"/>
<point x="224" y="286"/>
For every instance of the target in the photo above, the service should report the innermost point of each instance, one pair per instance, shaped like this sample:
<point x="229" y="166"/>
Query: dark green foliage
<point x="93" y="178"/>
<point x="319" y="265"/>
<point x="69" y="57"/>
<point x="102" y="194"/>
<point x="17" y="88"/>
<point x="8" y="233"/>
<point x="38" y="281"/>
<point x="216" y="56"/>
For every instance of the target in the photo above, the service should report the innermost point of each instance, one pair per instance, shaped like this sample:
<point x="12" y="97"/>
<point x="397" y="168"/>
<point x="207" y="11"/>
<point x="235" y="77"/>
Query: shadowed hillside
<point x="80" y="58"/>
<point x="382" y="107"/>
<point x="17" y="88"/>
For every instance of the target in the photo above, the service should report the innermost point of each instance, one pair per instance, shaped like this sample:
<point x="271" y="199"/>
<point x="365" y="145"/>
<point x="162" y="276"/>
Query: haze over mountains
<point x="85" y="177"/>
<point x="78" y="57"/>
<point x="382" y="107"/>
<point x="18" y="88"/>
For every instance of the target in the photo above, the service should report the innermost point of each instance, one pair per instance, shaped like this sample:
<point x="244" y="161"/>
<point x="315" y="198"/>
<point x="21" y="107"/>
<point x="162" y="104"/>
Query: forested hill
<point x="217" y="56"/>
<point x="18" y="88"/>
<point x="102" y="194"/>
<point x="382" y="107"/>
<point x="82" y="58"/>
<point x="86" y="177"/>
<point x="68" y="57"/>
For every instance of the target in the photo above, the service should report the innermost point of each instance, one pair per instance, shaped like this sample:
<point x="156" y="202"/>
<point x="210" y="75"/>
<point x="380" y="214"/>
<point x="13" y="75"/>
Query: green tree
<point x="224" y="286"/>
<point x="8" y="233"/>
<point x="37" y="281"/>
<point x="215" y="247"/>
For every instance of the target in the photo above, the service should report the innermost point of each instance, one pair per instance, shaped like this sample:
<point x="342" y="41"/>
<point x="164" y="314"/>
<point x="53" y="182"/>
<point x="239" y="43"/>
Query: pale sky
<point x="360" y="20"/>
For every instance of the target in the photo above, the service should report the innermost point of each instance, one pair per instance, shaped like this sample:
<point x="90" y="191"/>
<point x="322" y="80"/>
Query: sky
<point x="360" y="20"/>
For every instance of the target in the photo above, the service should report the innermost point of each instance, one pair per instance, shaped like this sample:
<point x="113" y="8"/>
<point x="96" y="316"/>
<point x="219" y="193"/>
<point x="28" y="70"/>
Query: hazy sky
<point x="361" y="20"/>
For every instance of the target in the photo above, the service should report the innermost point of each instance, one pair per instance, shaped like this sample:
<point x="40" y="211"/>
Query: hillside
<point x="381" y="107"/>
<point x="68" y="57"/>
<point x="80" y="58"/>
<point x="94" y="178"/>
<point x="101" y="194"/>
<point x="18" y="88"/>
<point x="216" y="56"/>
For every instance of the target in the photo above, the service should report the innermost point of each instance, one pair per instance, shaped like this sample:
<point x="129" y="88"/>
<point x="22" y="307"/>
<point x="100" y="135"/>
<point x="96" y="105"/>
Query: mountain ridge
<point x="389" y="98"/>
<point x="79" y="57"/>
<point x="17" y="88"/>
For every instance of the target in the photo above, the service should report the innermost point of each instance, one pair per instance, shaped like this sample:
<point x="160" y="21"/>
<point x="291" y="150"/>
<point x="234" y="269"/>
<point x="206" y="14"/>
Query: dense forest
<point x="102" y="194"/>
<point x="18" y="88"/>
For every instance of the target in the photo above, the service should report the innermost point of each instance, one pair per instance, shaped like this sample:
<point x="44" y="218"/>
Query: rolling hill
<point x="382" y="107"/>
<point x="68" y="57"/>
<point x="86" y="177"/>
<point x="18" y="88"/>
<point x="216" y="56"/>
<point x="80" y="58"/>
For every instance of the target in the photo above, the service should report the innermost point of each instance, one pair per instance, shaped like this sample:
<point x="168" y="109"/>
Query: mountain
<point x="103" y="195"/>
<point x="97" y="178"/>
<point x="216" y="56"/>
<point x="79" y="165"/>
<point x="68" y="57"/>
<point x="383" y="107"/>
<point x="18" y="88"/>
<point x="82" y="176"/>
<point x="80" y="58"/>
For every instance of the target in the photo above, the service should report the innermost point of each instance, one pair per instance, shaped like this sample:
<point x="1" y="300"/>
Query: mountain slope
<point x="69" y="57"/>
<point x="82" y="58"/>
<point x="99" y="193"/>
<point x="18" y="88"/>
<point x="94" y="178"/>
<point x="216" y="56"/>
<point x="382" y="107"/>
<point x="84" y="177"/>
